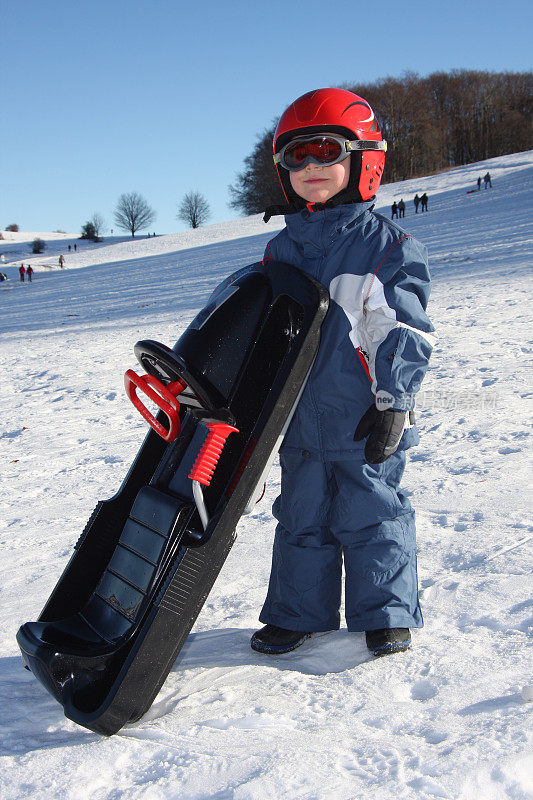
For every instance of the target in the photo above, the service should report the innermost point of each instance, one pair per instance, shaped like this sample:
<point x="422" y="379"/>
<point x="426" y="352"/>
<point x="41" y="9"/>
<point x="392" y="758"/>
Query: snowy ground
<point x="449" y="719"/>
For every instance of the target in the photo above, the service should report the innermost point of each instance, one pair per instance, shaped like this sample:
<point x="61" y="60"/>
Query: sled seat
<point x="114" y="610"/>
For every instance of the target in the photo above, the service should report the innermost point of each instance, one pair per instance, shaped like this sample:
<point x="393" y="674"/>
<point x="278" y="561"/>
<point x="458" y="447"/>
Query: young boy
<point x="343" y="455"/>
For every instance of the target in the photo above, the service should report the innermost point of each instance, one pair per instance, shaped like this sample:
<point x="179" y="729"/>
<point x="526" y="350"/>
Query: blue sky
<point x="162" y="96"/>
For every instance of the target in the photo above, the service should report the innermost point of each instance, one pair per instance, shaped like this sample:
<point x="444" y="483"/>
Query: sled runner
<point x="149" y="556"/>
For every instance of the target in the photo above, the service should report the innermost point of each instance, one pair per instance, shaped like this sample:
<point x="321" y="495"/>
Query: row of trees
<point x="432" y="123"/>
<point x="133" y="214"/>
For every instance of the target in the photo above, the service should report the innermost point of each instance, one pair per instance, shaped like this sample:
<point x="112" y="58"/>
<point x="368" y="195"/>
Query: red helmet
<point x="335" y="111"/>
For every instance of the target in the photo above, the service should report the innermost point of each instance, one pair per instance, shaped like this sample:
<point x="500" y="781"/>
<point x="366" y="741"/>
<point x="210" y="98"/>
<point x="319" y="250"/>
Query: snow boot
<point x="273" y="640"/>
<point x="384" y="641"/>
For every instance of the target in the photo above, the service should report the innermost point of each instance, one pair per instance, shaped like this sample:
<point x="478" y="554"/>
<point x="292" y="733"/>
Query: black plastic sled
<point x="149" y="556"/>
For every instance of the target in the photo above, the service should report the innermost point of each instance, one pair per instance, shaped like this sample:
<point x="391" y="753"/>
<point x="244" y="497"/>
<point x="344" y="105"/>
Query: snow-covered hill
<point x="16" y="246"/>
<point x="450" y="718"/>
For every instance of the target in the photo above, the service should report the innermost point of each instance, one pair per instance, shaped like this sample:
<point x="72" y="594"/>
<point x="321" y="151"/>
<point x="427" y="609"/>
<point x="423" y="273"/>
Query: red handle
<point x="207" y="458"/>
<point x="165" y="398"/>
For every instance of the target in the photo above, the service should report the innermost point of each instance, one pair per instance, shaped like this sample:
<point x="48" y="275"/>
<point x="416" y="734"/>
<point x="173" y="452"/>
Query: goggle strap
<point x="361" y="144"/>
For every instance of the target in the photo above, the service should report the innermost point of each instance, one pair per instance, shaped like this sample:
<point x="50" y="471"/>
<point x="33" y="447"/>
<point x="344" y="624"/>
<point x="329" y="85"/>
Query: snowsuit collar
<point x="348" y="195"/>
<point x="320" y="227"/>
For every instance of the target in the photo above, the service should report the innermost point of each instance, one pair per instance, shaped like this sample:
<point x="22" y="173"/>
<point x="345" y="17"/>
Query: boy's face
<point x="317" y="184"/>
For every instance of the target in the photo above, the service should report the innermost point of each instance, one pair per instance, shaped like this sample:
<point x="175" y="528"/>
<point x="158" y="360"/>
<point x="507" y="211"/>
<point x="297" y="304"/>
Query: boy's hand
<point x="384" y="430"/>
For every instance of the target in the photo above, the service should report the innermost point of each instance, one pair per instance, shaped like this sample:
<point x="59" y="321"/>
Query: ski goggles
<point x="324" y="150"/>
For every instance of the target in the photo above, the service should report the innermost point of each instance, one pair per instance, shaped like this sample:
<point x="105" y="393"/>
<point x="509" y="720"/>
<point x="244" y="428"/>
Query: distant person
<point x="29" y="272"/>
<point x="394" y="209"/>
<point x="69" y="248"/>
<point x="22" y="272"/>
<point x="401" y="208"/>
<point x="75" y="247"/>
<point x="61" y="260"/>
<point x="424" y="202"/>
<point x="479" y="183"/>
<point x="487" y="180"/>
<point x="416" y="201"/>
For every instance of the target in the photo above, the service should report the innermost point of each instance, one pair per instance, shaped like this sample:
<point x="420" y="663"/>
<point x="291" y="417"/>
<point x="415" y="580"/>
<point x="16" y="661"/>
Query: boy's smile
<point x="318" y="184"/>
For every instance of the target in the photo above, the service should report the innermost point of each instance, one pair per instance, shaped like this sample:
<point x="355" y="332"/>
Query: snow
<point x="448" y="719"/>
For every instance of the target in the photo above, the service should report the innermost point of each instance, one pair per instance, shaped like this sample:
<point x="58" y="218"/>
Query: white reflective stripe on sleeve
<point x="362" y="298"/>
<point x="431" y="338"/>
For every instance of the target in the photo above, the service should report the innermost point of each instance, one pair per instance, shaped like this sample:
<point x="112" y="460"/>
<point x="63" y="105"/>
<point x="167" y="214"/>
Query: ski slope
<point x="451" y="718"/>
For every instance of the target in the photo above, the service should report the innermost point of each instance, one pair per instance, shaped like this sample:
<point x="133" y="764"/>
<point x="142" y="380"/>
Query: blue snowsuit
<point x="335" y="506"/>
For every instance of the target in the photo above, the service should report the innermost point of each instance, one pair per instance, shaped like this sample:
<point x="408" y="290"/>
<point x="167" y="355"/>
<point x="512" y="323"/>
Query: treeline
<point x="443" y="120"/>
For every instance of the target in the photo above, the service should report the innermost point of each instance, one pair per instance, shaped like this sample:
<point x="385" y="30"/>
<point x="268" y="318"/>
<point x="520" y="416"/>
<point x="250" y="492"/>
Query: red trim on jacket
<point x="267" y="258"/>
<point x="364" y="362"/>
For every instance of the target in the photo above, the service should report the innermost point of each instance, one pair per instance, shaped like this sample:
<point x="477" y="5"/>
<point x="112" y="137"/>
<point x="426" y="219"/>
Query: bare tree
<point x="93" y="228"/>
<point x="257" y="186"/>
<point x="133" y="213"/>
<point x="194" y="209"/>
<point x="98" y="223"/>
